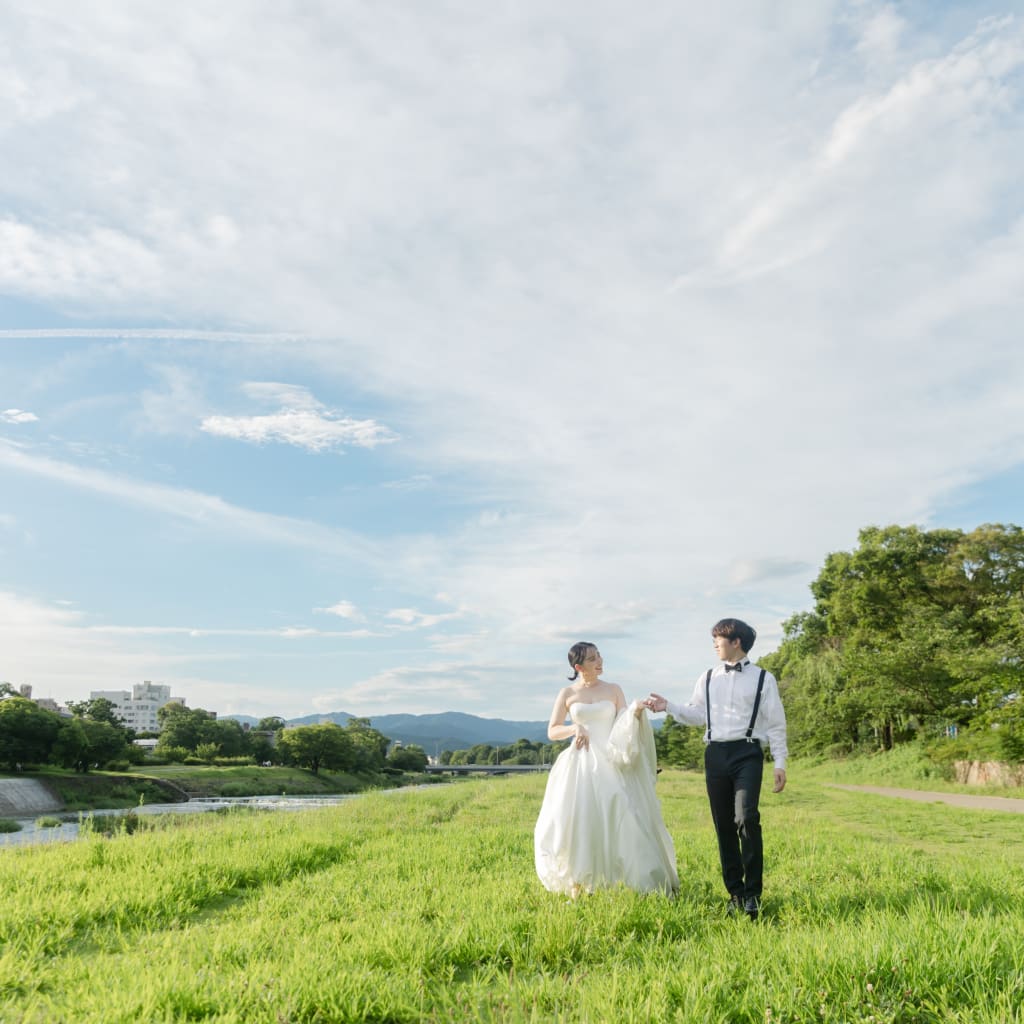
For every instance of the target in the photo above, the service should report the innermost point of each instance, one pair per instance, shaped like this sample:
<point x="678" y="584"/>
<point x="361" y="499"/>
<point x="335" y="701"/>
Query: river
<point x="32" y="834"/>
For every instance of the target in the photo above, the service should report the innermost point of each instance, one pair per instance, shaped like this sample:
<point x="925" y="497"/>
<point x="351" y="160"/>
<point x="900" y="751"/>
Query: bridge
<point x="485" y="769"/>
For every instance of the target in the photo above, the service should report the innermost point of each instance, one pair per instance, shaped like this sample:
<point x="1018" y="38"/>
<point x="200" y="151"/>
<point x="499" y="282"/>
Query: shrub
<point x="47" y="822"/>
<point x="173" y="754"/>
<point x="9" y="825"/>
<point x="118" y="766"/>
<point x="111" y="824"/>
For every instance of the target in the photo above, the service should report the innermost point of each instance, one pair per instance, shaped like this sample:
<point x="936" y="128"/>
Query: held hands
<point x="582" y="741"/>
<point x="655" y="703"/>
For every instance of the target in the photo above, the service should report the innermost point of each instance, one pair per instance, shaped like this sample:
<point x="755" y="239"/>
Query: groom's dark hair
<point x="578" y="654"/>
<point x="735" y="629"/>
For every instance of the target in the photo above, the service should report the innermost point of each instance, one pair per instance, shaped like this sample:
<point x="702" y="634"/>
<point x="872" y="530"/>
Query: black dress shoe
<point x="752" y="907"/>
<point x="735" y="905"/>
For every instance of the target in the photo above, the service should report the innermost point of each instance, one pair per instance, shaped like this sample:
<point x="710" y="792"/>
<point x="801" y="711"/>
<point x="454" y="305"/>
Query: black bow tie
<point x="738" y="667"/>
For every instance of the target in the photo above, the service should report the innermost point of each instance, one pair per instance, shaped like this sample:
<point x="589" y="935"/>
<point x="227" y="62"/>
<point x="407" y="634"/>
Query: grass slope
<point x="423" y="906"/>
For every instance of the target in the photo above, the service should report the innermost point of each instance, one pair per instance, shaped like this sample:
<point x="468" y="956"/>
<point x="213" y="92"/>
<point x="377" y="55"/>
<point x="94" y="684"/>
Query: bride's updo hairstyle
<point x="577" y="655"/>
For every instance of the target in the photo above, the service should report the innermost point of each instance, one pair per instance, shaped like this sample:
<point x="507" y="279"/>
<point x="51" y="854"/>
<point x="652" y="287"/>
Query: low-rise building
<point x="47" y="703"/>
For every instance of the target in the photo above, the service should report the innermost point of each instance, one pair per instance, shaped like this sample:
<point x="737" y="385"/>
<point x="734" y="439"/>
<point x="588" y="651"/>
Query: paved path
<point x="987" y="803"/>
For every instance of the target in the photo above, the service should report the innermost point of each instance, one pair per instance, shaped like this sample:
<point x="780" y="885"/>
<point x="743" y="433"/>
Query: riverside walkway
<point x="979" y="802"/>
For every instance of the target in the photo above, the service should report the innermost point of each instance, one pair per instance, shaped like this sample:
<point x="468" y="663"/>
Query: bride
<point x="600" y="823"/>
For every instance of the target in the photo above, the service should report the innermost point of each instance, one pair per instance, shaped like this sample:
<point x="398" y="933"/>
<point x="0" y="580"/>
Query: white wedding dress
<point x="600" y="823"/>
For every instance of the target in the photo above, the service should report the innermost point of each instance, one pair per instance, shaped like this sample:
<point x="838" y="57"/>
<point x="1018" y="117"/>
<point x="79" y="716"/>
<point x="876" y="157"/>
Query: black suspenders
<point x="757" y="704"/>
<point x="753" y="715"/>
<point x="707" y="702"/>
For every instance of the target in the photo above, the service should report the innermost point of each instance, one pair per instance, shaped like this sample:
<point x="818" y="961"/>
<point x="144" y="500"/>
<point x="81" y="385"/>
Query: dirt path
<point x="986" y="803"/>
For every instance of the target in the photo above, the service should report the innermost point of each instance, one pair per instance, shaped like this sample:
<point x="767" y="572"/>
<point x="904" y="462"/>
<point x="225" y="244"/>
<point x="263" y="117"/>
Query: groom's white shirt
<point x="732" y="702"/>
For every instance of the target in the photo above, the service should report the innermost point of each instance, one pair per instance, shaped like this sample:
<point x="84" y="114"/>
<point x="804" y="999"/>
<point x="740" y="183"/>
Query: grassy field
<point x="423" y="906"/>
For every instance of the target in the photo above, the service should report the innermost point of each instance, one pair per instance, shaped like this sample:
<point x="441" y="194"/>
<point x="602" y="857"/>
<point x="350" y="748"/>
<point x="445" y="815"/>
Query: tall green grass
<point x="423" y="906"/>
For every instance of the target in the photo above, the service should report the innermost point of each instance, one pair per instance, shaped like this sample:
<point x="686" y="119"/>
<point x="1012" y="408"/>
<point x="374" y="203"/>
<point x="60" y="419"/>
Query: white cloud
<point x="344" y="610"/>
<point x="302" y="421"/>
<point x="17" y="416"/>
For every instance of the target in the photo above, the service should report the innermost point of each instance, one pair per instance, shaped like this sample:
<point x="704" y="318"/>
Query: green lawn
<point x="423" y="906"/>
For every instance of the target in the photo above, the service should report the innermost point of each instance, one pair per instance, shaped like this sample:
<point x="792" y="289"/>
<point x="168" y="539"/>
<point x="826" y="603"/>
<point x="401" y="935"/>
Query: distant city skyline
<point x="365" y="361"/>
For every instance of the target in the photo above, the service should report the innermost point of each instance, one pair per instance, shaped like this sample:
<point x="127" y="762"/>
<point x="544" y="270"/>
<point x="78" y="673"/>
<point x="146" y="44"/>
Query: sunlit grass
<point x="423" y="906"/>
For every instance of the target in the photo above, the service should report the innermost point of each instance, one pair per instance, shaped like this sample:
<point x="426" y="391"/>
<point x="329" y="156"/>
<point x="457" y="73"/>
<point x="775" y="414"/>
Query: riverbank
<point x="162" y="784"/>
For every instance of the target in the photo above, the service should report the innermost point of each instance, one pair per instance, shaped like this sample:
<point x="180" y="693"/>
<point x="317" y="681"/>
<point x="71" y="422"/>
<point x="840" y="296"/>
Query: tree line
<point x="95" y="736"/>
<point x="521" y="751"/>
<point x="915" y="633"/>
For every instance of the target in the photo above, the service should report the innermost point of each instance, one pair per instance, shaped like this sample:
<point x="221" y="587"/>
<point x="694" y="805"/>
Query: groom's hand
<point x="780" y="780"/>
<point x="655" y="703"/>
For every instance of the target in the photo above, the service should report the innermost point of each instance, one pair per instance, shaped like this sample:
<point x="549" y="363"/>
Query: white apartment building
<point x="139" y="708"/>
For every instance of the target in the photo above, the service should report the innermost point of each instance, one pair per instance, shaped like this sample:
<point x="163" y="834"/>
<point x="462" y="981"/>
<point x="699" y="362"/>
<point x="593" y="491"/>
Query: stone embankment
<point x="22" y="798"/>
<point x="989" y="773"/>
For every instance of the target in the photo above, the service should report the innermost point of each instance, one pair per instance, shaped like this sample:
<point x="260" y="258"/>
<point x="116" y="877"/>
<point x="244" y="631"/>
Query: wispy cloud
<point x="17" y="416"/>
<point x="420" y="689"/>
<point x="301" y="421"/>
<point x="147" y="334"/>
<point x="415" y="619"/>
<point x="283" y="632"/>
<point x="194" y="506"/>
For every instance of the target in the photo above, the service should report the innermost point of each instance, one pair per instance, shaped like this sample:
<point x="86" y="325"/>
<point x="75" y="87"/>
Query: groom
<point x="739" y="706"/>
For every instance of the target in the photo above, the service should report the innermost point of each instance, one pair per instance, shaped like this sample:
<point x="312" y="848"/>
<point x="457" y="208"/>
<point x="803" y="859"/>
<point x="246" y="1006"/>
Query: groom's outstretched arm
<point x="691" y="714"/>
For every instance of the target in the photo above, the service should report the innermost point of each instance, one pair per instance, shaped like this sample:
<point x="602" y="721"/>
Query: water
<point x="32" y="834"/>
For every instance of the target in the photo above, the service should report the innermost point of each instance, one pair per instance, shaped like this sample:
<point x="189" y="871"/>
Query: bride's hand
<point x="582" y="738"/>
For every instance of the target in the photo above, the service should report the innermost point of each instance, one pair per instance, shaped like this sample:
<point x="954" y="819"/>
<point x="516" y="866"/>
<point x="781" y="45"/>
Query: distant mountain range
<point x="449" y="730"/>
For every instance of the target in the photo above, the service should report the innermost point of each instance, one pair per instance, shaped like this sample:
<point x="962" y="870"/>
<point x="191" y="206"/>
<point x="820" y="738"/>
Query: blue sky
<point x="364" y="357"/>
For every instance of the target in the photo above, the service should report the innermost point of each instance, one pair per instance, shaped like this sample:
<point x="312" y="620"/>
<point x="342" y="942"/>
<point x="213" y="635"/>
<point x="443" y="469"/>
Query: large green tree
<point x="97" y="709"/>
<point x="371" y="745"/>
<point x="27" y="732"/>
<point x="183" y="728"/>
<point x="913" y="627"/>
<point x="412" y="758"/>
<point x="83" y="743"/>
<point x="319" y="746"/>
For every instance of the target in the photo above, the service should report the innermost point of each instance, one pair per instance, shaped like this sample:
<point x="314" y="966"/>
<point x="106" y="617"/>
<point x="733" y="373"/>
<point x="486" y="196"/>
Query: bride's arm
<point x="558" y="730"/>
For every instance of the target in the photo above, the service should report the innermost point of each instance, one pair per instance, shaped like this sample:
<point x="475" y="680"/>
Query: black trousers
<point x="733" y="772"/>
